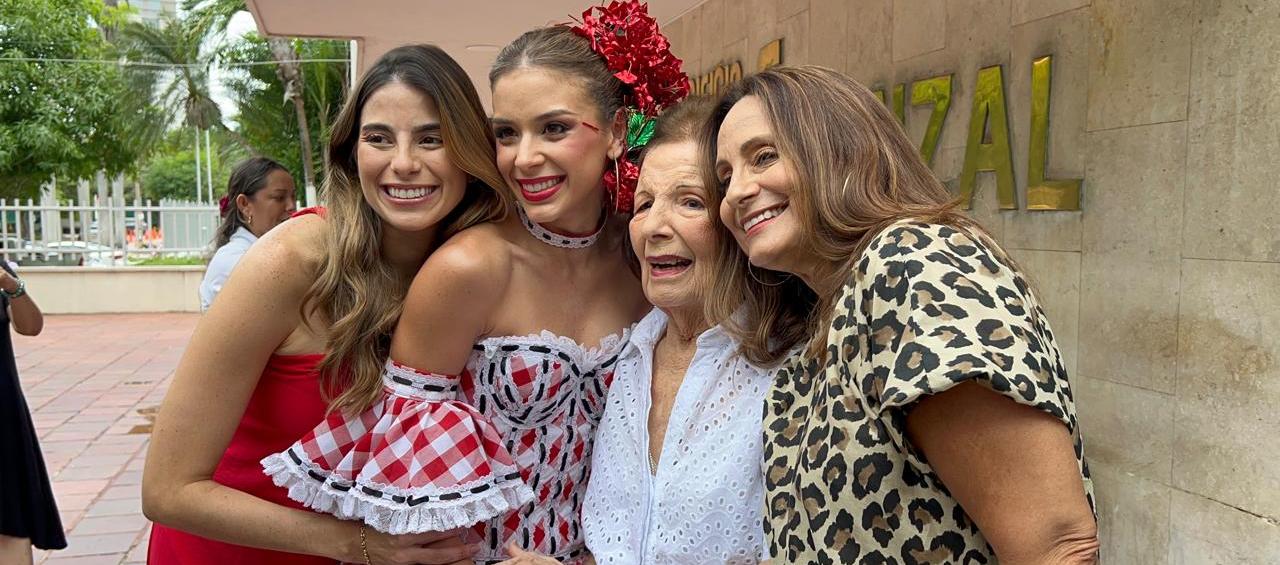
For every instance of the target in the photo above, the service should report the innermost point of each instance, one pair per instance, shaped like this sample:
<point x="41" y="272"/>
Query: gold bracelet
<point x="364" y="546"/>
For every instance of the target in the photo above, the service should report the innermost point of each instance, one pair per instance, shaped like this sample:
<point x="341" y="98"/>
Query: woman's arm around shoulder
<point x="258" y="309"/>
<point x="451" y="302"/>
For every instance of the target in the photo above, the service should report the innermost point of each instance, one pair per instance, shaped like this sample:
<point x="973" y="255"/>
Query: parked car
<point x="83" y="253"/>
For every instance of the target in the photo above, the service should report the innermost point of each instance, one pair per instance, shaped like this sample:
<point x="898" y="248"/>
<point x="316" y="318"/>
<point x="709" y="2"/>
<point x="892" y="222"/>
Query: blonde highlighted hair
<point x="854" y="173"/>
<point x="356" y="292"/>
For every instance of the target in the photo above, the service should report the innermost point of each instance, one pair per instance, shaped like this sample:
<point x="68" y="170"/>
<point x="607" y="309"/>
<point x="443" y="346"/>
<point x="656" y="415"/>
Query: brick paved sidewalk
<point x="92" y="382"/>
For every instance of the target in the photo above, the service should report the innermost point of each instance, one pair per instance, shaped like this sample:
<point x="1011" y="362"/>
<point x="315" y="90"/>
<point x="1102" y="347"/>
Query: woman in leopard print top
<point x="924" y="414"/>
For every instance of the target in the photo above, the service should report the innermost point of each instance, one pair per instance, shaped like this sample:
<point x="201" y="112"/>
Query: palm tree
<point x="178" y="69"/>
<point x="212" y="17"/>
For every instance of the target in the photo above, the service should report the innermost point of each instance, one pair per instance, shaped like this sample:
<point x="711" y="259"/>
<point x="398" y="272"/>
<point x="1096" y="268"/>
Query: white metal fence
<point x="106" y="232"/>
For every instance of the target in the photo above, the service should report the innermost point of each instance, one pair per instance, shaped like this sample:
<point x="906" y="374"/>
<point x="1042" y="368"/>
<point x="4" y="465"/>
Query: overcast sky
<point x="241" y="24"/>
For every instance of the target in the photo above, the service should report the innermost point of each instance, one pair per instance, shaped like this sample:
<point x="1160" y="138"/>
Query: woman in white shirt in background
<point x="260" y="196"/>
<point x="676" y="472"/>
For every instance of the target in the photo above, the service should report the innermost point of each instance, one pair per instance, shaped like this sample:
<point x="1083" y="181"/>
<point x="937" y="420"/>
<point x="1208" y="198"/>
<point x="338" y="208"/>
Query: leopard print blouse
<point x="927" y="307"/>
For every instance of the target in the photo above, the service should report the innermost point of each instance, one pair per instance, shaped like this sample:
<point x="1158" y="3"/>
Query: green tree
<point x="212" y="17"/>
<point x="60" y="105"/>
<point x="267" y="118"/>
<point x="181" y="90"/>
<point x="170" y="175"/>
<point x="170" y="171"/>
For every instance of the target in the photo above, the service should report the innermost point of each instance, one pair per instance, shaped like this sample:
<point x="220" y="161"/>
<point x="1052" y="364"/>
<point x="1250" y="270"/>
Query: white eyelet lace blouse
<point x="706" y="502"/>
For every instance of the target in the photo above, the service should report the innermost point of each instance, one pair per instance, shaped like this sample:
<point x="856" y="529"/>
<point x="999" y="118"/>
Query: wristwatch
<point x="21" y="290"/>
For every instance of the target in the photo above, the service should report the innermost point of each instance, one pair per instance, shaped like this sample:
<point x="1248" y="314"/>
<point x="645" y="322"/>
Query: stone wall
<point x="93" y="290"/>
<point x="1165" y="288"/>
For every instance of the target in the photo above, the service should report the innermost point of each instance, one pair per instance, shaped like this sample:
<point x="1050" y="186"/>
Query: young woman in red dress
<point x="307" y="316"/>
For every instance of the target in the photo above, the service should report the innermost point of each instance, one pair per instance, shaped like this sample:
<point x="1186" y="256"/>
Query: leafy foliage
<point x="267" y="120"/>
<point x="72" y="119"/>
<point x="57" y="116"/>
<point x="170" y="172"/>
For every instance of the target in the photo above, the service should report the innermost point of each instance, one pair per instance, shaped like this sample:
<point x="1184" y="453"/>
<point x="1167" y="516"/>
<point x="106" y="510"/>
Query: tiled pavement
<point x="92" y="383"/>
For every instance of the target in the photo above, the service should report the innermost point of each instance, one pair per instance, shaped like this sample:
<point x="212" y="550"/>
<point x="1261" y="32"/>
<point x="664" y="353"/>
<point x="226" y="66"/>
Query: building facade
<point x="154" y="11"/>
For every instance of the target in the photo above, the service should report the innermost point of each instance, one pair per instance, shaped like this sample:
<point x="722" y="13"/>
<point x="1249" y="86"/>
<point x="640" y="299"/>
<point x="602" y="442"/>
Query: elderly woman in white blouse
<point x="676" y="473"/>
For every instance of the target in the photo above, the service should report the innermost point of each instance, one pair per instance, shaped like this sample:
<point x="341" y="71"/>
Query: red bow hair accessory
<point x="627" y="38"/>
<point x="222" y="205"/>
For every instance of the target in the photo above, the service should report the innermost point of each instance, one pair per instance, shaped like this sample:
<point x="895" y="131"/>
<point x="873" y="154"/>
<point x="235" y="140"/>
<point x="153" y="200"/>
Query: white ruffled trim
<point x="591" y="356"/>
<point x="415" y="389"/>
<point x="352" y="504"/>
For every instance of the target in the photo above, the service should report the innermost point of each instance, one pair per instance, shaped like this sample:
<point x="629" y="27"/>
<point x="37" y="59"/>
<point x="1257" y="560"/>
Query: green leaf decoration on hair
<point x="639" y="130"/>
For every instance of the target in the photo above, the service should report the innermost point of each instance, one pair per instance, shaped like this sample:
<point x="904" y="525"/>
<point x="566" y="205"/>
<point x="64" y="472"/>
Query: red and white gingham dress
<point x="419" y="460"/>
<point x="545" y="393"/>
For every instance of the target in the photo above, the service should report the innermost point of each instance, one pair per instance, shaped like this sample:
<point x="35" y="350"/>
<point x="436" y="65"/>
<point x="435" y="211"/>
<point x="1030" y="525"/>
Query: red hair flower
<point x="627" y="38"/>
<point x="630" y="173"/>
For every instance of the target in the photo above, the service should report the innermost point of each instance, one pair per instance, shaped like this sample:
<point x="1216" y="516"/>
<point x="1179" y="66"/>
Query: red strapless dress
<point x="286" y="405"/>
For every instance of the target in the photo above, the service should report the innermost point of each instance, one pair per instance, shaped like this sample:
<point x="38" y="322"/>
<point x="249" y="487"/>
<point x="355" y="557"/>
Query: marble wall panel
<point x="1126" y="429"/>
<point x="1030" y="10"/>
<point x="1207" y="532"/>
<point x="869" y="51"/>
<point x="1227" y="443"/>
<point x="828" y="38"/>
<point x="1129" y="293"/>
<point x="1139" y="62"/>
<point x="919" y="27"/>
<point x="1235" y="132"/>
<point x="1133" y="516"/>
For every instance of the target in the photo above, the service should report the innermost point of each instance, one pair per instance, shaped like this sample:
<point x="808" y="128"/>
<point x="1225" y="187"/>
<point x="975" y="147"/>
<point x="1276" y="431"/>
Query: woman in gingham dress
<point x="523" y="317"/>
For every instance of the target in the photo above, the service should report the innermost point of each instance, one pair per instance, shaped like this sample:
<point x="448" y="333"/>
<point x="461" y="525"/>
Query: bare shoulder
<point x="298" y="244"/>
<point x="470" y="269"/>
<point x="451" y="299"/>
<point x="478" y="258"/>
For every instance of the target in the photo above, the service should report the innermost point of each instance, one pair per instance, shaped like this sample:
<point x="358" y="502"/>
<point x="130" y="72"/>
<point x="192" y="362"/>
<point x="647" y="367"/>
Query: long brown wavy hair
<point x="854" y="173"/>
<point x="356" y="292"/>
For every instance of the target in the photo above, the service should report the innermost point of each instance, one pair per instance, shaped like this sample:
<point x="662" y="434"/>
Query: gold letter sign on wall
<point x="900" y="103"/>
<point x="725" y="74"/>
<point x="989" y="120"/>
<point x="987" y="148"/>
<point x="715" y="81"/>
<point x="1043" y="193"/>
<point x="936" y="91"/>
<point x="770" y="55"/>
